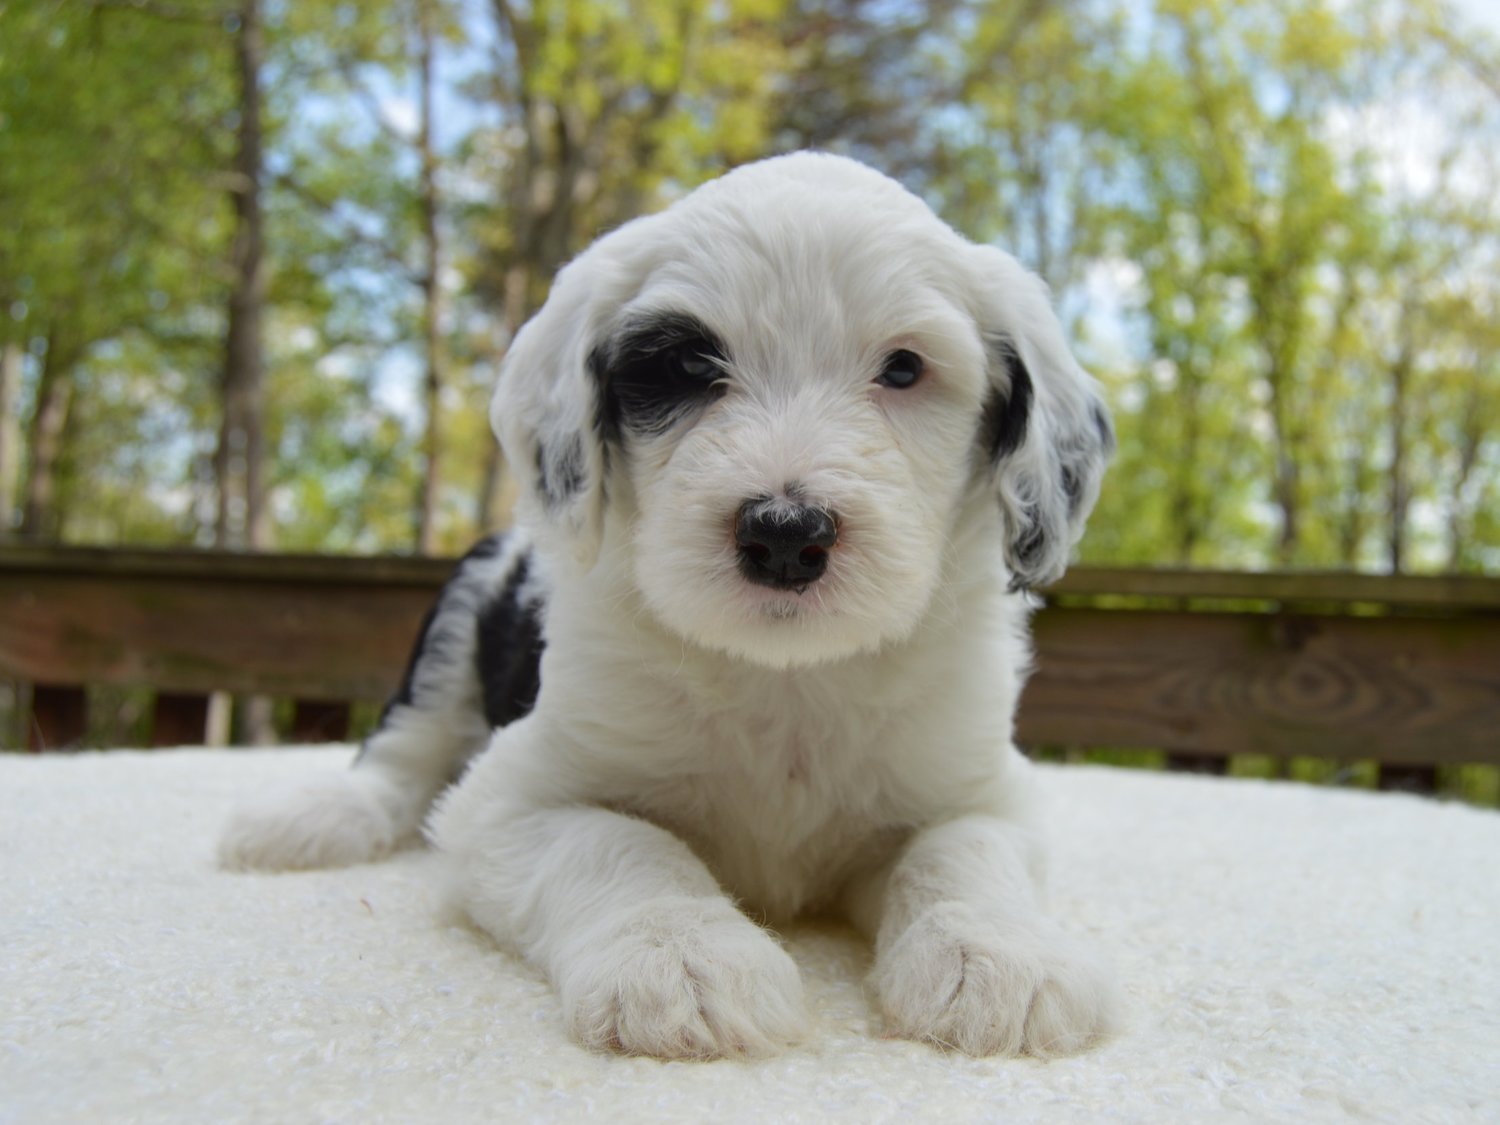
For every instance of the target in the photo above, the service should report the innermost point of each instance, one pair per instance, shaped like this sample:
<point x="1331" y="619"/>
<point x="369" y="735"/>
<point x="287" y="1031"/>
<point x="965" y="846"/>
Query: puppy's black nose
<point x="783" y="545"/>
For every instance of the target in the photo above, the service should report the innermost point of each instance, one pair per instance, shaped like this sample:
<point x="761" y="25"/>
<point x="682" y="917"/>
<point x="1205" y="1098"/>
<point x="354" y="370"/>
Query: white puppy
<point x="790" y="453"/>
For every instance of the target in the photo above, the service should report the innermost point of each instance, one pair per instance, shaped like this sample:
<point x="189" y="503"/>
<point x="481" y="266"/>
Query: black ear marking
<point x="1002" y="424"/>
<point x="1072" y="488"/>
<point x="1028" y="553"/>
<point x="560" y="475"/>
<point x="1105" y="427"/>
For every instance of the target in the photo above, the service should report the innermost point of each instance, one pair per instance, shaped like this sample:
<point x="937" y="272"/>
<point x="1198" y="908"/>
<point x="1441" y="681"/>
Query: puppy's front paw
<point x="685" y="979"/>
<point x="986" y="988"/>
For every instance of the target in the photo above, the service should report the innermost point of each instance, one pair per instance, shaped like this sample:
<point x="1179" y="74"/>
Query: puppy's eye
<point x="901" y="370"/>
<point x="658" y="371"/>
<point x="694" y="359"/>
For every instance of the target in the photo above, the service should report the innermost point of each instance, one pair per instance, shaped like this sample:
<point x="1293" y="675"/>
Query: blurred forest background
<point x="259" y="258"/>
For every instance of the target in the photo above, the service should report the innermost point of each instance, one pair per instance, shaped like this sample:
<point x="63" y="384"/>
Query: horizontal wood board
<point x="1395" y="689"/>
<point x="278" y="638"/>
<point x="1393" y="668"/>
<point x="1456" y="592"/>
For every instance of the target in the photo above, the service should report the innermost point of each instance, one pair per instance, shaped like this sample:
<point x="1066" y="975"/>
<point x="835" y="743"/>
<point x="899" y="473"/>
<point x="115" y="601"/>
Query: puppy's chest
<point x="783" y="804"/>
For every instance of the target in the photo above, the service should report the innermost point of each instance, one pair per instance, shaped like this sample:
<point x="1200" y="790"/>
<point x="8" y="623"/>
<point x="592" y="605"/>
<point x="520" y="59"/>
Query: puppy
<point x="790" y="454"/>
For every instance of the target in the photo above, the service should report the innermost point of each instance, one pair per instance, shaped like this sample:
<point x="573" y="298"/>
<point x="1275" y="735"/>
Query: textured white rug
<point x="1288" y="953"/>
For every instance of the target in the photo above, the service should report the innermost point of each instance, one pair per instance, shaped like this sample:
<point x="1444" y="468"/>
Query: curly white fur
<point x="710" y="753"/>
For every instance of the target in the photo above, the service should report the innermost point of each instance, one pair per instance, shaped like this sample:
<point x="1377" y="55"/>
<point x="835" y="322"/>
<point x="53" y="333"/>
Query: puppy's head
<point x="776" y="402"/>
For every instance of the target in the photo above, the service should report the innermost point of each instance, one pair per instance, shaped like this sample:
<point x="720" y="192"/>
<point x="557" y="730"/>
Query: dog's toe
<point x="986" y="988"/>
<point x="688" y="984"/>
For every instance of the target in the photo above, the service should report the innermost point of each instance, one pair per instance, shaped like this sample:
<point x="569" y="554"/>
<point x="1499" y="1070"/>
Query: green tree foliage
<point x="1287" y="282"/>
<point x="1270" y="225"/>
<point x="108" y="227"/>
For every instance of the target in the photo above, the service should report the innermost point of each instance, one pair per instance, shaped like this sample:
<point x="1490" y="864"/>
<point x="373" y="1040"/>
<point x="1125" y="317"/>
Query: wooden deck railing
<point x="1404" y="671"/>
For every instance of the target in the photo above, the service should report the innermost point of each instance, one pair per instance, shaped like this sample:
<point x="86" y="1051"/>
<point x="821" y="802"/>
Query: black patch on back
<point x="1002" y="425"/>
<point x="486" y="548"/>
<point x="650" y="373"/>
<point x="418" y="650"/>
<point x="508" y="654"/>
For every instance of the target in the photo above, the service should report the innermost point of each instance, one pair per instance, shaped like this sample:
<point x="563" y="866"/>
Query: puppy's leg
<point x="358" y="814"/>
<point x="964" y="955"/>
<point x="645" y="951"/>
<point x="474" y="659"/>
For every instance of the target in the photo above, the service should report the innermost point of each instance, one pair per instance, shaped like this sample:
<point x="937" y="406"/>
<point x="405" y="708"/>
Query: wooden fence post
<point x="320" y="720"/>
<point x="1210" y="764"/>
<point x="1408" y="779"/>
<point x="59" y="717"/>
<point x="179" y="719"/>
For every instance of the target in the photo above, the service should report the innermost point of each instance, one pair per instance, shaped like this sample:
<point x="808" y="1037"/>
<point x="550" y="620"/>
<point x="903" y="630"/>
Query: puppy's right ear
<point x="546" y="413"/>
<point x="1046" y="432"/>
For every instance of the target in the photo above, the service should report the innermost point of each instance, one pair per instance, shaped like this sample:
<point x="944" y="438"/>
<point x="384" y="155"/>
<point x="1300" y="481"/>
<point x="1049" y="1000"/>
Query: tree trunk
<point x="1473" y="431"/>
<point x="1400" y="484"/>
<point x="1286" y="486"/>
<point x="10" y="431"/>
<point x="1351" y="528"/>
<point x="432" y="294"/>
<point x="1286" y="499"/>
<point x="239" y="462"/>
<point x="1185" y="504"/>
<point x="54" y="397"/>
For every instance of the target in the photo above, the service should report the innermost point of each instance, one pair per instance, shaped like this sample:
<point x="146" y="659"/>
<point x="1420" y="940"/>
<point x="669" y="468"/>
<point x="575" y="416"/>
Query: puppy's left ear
<point x="1045" y="434"/>
<point x="545" y="412"/>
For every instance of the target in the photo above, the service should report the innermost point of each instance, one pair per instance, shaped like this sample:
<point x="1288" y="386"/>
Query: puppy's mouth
<point x="816" y="602"/>
<point x="780" y="609"/>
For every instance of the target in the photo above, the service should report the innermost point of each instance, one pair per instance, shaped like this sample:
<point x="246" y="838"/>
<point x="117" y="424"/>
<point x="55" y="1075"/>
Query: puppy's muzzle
<point x="783" y="545"/>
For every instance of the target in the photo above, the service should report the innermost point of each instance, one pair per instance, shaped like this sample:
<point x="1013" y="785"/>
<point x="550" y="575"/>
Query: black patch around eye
<point x="1002" y="426"/>
<point x="654" y="371"/>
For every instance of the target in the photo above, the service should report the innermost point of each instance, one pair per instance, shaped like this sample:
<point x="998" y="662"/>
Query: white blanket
<point x="1288" y="954"/>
